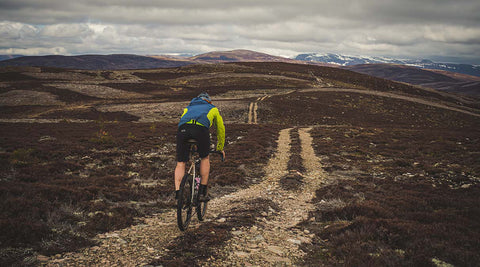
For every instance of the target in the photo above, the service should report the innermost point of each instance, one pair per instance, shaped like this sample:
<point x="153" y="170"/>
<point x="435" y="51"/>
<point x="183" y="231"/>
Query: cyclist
<point x="195" y="122"/>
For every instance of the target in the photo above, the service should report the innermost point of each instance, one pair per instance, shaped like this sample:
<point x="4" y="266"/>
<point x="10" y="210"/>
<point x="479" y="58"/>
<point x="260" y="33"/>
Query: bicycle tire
<point x="201" y="209"/>
<point x="184" y="203"/>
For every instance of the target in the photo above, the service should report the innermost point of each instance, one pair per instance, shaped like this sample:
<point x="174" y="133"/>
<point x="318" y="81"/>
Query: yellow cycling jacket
<point x="202" y="113"/>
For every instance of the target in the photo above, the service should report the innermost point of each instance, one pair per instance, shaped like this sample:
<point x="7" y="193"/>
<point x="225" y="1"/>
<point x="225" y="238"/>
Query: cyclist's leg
<point x="205" y="169"/>
<point x="179" y="173"/>
<point x="182" y="156"/>
<point x="203" y="138"/>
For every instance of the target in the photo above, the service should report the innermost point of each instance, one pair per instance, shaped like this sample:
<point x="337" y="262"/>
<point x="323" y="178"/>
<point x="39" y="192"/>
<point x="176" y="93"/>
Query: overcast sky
<point x="435" y="29"/>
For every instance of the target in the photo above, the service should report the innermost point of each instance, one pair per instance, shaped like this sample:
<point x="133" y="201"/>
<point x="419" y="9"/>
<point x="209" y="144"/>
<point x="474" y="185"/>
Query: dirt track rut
<point x="271" y="240"/>
<point x="252" y="110"/>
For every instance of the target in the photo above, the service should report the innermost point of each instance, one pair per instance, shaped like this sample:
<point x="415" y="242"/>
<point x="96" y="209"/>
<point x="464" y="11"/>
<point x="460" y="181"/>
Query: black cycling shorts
<point x="192" y="131"/>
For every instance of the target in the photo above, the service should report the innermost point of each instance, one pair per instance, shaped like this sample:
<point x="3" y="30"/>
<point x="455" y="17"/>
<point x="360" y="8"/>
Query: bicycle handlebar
<point x="218" y="152"/>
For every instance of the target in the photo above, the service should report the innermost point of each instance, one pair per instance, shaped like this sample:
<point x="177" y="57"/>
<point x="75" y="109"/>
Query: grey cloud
<point x="16" y="30"/>
<point x="178" y="11"/>
<point x="66" y="30"/>
<point x="389" y="27"/>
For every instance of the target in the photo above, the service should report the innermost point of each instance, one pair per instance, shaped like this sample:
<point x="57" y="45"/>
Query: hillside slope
<point x="439" y="80"/>
<point x="94" y="62"/>
<point x="119" y="61"/>
<point x="240" y="55"/>
<point x="324" y="166"/>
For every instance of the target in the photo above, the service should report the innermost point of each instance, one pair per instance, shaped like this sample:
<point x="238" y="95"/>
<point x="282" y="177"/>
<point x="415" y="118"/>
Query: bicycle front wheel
<point x="184" y="203"/>
<point x="201" y="209"/>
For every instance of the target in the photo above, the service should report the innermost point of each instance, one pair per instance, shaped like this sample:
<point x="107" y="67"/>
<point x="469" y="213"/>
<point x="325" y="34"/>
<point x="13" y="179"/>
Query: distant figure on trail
<point x="195" y="122"/>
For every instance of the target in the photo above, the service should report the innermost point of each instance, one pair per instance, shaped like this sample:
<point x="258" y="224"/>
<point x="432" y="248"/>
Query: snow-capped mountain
<point x="343" y="60"/>
<point x="5" y="57"/>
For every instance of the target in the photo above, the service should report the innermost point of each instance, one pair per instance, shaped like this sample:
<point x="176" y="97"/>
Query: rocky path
<point x="272" y="239"/>
<point x="134" y="246"/>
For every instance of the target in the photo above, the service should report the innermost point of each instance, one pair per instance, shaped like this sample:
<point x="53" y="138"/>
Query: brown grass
<point x="401" y="197"/>
<point x="57" y="192"/>
<point x="403" y="176"/>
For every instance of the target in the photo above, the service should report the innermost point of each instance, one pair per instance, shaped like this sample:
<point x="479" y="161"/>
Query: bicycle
<point x="188" y="195"/>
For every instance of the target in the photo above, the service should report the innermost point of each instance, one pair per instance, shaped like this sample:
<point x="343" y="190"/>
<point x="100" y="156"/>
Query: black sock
<point x="177" y="194"/>
<point x="202" y="190"/>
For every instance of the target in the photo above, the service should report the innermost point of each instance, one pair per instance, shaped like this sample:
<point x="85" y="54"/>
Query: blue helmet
<point x="205" y="97"/>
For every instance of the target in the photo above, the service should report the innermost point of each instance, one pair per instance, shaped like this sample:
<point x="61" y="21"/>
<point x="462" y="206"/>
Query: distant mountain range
<point x="449" y="77"/>
<point x="343" y="60"/>
<point x="458" y="78"/>
<point x="121" y="61"/>
<point x="95" y="62"/>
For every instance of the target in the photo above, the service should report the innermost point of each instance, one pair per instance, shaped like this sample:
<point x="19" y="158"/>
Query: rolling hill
<point x="92" y="62"/>
<point x="240" y="56"/>
<point x="398" y="71"/>
<point x="119" y="61"/>
<point x="439" y="80"/>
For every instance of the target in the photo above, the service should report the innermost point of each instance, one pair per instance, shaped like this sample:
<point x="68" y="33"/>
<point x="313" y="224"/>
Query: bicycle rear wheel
<point x="184" y="203"/>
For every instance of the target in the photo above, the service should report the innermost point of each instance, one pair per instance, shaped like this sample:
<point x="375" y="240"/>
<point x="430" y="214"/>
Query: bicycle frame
<point x="195" y="165"/>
